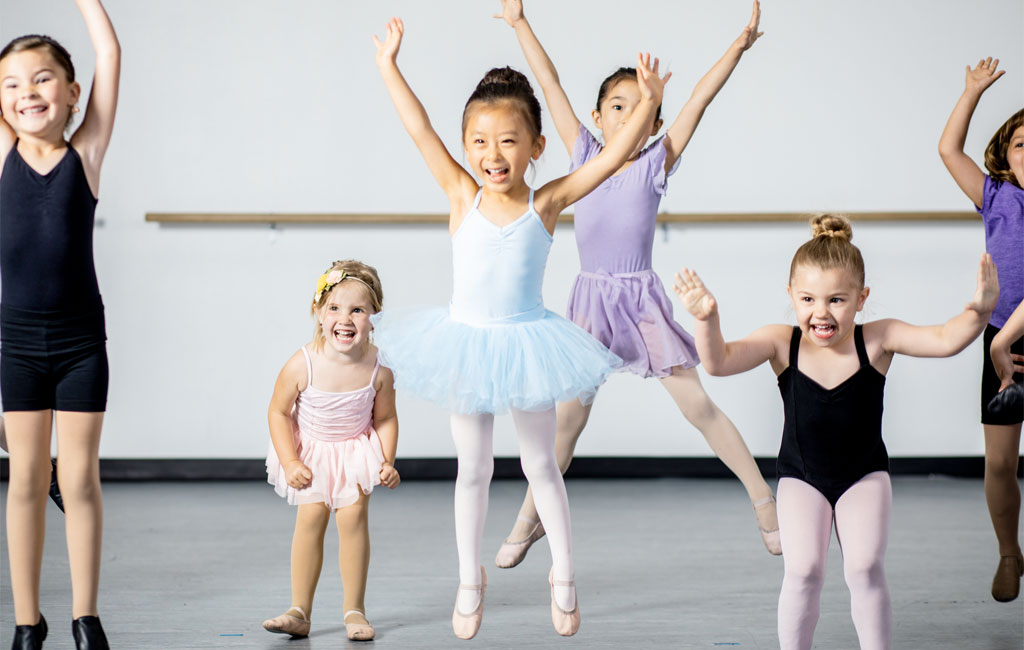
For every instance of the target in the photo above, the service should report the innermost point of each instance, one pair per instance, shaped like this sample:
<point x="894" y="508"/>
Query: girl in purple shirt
<point x="617" y="297"/>
<point x="1000" y="200"/>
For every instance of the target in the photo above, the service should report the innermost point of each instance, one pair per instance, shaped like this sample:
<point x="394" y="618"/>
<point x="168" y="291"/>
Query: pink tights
<point x="862" y="527"/>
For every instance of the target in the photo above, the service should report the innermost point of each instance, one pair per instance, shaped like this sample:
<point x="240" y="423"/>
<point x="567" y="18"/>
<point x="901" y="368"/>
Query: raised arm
<point x="450" y="175"/>
<point x="566" y="122"/>
<point x="951" y="337"/>
<point x="93" y="136"/>
<point x="563" y="192"/>
<point x="961" y="167"/>
<point x="679" y="134"/>
<point x="385" y="423"/>
<point x="279" y="417"/>
<point x="718" y="357"/>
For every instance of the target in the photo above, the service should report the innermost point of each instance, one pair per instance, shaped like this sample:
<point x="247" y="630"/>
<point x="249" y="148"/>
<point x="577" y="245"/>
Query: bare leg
<point x="536" y="449"/>
<point x="354" y="555"/>
<point x="473" y="435"/>
<point x="862" y="526"/>
<point x="1002" y="492"/>
<point x="571" y="419"/>
<point x="688" y="393"/>
<point x="805" y="518"/>
<point x="308" y="553"/>
<point x="78" y="447"/>
<point x="28" y="437"/>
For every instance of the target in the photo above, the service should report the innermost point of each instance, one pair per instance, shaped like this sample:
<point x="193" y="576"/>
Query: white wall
<point x="277" y="106"/>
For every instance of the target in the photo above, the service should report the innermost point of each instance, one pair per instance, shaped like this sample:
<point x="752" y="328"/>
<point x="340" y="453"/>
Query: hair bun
<point x="505" y="77"/>
<point x="831" y="225"/>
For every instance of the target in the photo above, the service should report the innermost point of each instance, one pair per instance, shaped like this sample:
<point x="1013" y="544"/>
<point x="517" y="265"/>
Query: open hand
<point x="298" y="475"/>
<point x="983" y="75"/>
<point x="511" y="11"/>
<point x="694" y="295"/>
<point x="652" y="86"/>
<point x="387" y="51"/>
<point x="389" y="477"/>
<point x="987" y="293"/>
<point x="750" y="33"/>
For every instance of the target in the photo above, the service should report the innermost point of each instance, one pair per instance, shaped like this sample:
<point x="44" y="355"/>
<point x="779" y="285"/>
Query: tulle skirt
<point x="466" y="368"/>
<point x="632" y="316"/>
<point x="341" y="468"/>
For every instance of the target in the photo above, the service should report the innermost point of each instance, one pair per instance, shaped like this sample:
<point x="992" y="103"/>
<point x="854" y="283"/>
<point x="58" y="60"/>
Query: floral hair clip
<point x="327" y="281"/>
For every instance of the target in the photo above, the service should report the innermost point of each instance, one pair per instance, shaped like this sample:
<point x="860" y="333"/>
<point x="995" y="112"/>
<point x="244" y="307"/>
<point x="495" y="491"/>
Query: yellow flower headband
<point x="327" y="281"/>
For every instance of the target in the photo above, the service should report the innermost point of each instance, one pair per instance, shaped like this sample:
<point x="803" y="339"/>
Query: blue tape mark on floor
<point x="727" y="643"/>
<point x="232" y="635"/>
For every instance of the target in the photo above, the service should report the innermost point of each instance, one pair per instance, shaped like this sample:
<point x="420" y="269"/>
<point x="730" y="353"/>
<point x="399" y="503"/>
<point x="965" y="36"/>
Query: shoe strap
<point x="527" y="520"/>
<point x="353" y="611"/>
<point x="305" y="618"/>
<point x="563" y="583"/>
<point x="765" y="501"/>
<point x="463" y="587"/>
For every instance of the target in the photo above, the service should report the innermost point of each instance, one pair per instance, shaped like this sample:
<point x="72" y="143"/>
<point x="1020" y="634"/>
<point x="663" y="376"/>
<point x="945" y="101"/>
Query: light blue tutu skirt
<point x="528" y="365"/>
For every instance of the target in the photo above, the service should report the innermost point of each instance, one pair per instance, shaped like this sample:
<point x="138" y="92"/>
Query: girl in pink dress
<point x="333" y="434"/>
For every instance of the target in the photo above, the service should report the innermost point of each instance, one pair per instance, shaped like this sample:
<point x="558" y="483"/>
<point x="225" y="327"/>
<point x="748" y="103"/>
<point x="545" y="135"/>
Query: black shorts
<point x="53" y="360"/>
<point x="990" y="380"/>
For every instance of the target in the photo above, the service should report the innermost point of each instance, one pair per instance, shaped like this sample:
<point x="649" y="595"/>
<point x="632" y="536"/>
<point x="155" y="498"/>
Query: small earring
<point x="75" y="109"/>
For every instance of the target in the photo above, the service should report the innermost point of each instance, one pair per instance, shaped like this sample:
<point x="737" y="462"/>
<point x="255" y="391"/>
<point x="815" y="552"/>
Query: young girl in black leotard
<point x="832" y="465"/>
<point x="54" y="362"/>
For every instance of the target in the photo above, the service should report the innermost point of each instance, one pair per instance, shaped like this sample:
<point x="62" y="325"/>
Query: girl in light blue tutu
<point x="496" y="349"/>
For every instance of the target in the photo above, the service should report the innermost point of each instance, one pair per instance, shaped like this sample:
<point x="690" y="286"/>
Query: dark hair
<point x="506" y="84"/>
<point x="614" y="78"/>
<point x="995" y="152"/>
<point x="56" y="50"/>
<point x="830" y="247"/>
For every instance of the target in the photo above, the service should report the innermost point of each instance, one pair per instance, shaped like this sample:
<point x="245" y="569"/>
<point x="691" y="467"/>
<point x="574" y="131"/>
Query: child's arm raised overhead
<point x="563" y="192"/>
<point x="279" y="416"/>
<point x="450" y="175"/>
<point x="949" y="338"/>
<point x="964" y="170"/>
<point x="566" y="122"/>
<point x="385" y="422"/>
<point x="718" y="357"/>
<point x="93" y="136"/>
<point x="679" y="134"/>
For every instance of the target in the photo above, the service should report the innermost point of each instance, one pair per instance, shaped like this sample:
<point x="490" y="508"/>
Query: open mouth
<point x="497" y="174"/>
<point x="344" y="334"/>
<point x="33" y="110"/>
<point x="823" y="331"/>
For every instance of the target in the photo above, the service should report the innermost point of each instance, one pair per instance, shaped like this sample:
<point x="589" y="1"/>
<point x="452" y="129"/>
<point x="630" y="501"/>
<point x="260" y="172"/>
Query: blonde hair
<point x="354" y="271"/>
<point x="830" y="247"/>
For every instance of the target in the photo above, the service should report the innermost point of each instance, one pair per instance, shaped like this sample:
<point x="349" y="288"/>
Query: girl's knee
<point x="29" y="485"/>
<point x="806" y="574"/>
<point x="475" y="475"/>
<point x="352" y="519"/>
<point x="539" y="468"/>
<point x="1002" y="466"/>
<point x="864" y="572"/>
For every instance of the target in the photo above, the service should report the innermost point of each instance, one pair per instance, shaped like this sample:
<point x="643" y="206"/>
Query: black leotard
<point x="46" y="223"/>
<point x="832" y="438"/>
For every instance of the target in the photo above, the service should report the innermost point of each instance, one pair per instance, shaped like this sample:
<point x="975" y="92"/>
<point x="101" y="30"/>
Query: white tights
<point x="862" y="526"/>
<point x="473" y="444"/>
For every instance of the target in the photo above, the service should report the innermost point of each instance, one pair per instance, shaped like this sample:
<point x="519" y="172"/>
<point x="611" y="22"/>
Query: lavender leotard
<point x="617" y="297"/>
<point x="1002" y="208"/>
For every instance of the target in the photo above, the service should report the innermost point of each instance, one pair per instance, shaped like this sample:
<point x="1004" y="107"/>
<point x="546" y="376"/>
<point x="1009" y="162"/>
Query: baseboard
<point x="244" y="469"/>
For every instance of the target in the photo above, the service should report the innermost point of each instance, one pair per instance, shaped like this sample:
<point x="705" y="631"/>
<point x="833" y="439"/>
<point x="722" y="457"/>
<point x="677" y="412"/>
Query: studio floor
<point x="659" y="563"/>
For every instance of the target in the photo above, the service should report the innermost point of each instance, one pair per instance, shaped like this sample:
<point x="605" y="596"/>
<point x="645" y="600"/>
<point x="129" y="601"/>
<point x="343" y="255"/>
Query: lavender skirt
<point x="631" y="315"/>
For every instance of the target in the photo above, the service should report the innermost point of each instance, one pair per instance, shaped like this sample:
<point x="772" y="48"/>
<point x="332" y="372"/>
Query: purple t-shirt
<point x="615" y="223"/>
<point x="1002" y="208"/>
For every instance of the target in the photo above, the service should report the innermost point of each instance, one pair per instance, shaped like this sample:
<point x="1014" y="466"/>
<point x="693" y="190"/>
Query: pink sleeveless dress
<point x="335" y="439"/>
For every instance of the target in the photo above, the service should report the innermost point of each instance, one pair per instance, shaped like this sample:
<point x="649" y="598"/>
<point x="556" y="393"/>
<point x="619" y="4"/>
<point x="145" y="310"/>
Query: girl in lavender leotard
<point x="617" y="297"/>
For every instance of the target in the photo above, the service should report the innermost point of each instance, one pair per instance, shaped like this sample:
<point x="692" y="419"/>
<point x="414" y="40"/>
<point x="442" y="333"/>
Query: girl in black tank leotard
<point x="53" y="365"/>
<point x="832" y="466"/>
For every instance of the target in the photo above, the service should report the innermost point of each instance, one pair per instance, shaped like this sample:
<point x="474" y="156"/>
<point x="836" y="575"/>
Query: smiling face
<point x="345" y="317"/>
<point x="499" y="145"/>
<point x="616" y="106"/>
<point x="36" y="97"/>
<point x="826" y="302"/>
<point x="1015" y="155"/>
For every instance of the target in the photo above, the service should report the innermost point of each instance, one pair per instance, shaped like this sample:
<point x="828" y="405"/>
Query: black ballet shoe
<point x="1009" y="401"/>
<point x="54" y="488"/>
<point x="88" y="633"/>
<point x="29" y="637"/>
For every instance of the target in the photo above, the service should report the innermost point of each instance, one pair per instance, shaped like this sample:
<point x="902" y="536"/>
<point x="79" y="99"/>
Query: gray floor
<point x="660" y="564"/>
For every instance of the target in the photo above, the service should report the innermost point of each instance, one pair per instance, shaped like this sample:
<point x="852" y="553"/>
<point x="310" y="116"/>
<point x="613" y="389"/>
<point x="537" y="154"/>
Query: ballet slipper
<point x="512" y="553"/>
<point x="566" y="623"/>
<point x="288" y="624"/>
<point x="358" y="631"/>
<point x="467" y="625"/>
<point x="770" y="537"/>
<point x="1006" y="583"/>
